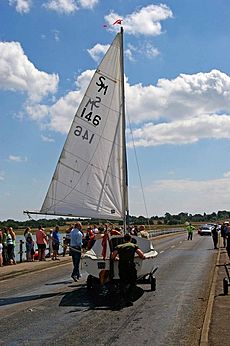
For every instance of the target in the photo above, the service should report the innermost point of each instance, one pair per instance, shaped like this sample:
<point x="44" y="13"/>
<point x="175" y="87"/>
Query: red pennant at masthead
<point x="118" y="21"/>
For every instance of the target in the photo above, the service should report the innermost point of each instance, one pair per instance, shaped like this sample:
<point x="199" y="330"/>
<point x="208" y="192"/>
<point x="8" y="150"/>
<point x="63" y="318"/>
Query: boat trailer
<point x="149" y="279"/>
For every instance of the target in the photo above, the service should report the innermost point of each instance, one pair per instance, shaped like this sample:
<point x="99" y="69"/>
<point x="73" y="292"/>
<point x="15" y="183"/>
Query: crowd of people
<point x="223" y="229"/>
<point x="36" y="245"/>
<point x="225" y="234"/>
<point x="78" y="241"/>
<point x="7" y="246"/>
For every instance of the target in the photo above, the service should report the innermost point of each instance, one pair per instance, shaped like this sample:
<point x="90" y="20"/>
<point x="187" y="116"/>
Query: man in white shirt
<point x="75" y="247"/>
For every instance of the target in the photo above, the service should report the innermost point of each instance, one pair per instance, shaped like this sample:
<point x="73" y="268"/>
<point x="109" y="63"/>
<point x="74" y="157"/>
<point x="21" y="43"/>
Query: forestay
<point x="89" y="177"/>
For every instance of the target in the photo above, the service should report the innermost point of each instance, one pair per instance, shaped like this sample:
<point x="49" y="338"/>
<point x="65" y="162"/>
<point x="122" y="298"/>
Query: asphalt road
<point x="47" y="308"/>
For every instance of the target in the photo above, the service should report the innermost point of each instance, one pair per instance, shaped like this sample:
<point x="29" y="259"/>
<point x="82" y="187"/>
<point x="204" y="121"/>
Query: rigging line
<point x="138" y="169"/>
<point x="28" y="213"/>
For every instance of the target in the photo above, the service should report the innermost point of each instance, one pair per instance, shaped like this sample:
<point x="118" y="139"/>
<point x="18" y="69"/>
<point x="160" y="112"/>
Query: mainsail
<point x="90" y="177"/>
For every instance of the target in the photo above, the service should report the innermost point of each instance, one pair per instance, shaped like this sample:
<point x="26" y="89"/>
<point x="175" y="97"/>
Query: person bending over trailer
<point x="126" y="266"/>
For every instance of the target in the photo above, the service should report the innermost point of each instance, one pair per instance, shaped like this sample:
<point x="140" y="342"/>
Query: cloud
<point x="179" y="111"/>
<point x="59" y="116"/>
<point x="37" y="112"/>
<point x="143" y="49"/>
<point x="69" y="6"/>
<point x="146" y="21"/>
<point x="2" y="175"/>
<point x="183" y="97"/>
<point x="129" y="52"/>
<point x="15" y="158"/>
<point x="150" y="51"/>
<point x="61" y="6"/>
<point x="62" y="112"/>
<point x="17" y="73"/>
<point x="98" y="51"/>
<point x="183" y="131"/>
<point x="182" y="110"/>
<point x="47" y="139"/>
<point x="56" y="35"/>
<point x="147" y="49"/>
<point x="21" y="6"/>
<point x="177" y="195"/>
<point x="89" y="4"/>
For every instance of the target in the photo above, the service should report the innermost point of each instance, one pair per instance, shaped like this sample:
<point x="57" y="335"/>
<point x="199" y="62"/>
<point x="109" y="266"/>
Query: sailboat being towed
<point x="90" y="179"/>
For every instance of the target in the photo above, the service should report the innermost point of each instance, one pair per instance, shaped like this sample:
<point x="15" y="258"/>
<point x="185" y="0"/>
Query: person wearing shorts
<point x="55" y="243"/>
<point x="41" y="240"/>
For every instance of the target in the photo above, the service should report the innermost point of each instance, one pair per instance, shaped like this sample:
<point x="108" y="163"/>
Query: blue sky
<point x="177" y="92"/>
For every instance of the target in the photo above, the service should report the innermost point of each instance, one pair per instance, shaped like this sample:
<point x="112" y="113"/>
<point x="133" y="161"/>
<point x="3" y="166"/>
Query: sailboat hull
<point x="94" y="264"/>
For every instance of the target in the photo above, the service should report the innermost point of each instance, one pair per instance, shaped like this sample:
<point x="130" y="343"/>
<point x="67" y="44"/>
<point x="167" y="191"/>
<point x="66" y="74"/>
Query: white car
<point x="205" y="229"/>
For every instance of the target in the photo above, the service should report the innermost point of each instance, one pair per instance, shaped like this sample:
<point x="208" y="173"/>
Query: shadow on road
<point x="59" y="283"/>
<point x="102" y="298"/>
<point x="16" y="300"/>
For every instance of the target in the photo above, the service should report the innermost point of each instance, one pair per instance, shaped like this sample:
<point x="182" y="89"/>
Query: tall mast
<point x="125" y="171"/>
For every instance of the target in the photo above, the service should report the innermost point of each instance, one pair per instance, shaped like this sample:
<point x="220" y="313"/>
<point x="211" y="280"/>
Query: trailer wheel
<point x="152" y="282"/>
<point x="89" y="282"/>
<point x="225" y="286"/>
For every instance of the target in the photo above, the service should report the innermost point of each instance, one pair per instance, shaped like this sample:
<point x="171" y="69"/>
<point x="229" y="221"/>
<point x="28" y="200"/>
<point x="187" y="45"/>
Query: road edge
<point x="26" y="271"/>
<point x="208" y="314"/>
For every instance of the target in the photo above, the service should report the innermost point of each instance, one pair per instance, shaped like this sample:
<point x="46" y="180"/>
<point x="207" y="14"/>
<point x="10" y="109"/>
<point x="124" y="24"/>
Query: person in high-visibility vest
<point x="190" y="230"/>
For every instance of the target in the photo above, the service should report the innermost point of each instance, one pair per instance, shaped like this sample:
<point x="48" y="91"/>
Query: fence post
<point x="21" y="250"/>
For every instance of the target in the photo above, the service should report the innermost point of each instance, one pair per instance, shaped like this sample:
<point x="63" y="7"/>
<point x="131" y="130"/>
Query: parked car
<point x="205" y="229"/>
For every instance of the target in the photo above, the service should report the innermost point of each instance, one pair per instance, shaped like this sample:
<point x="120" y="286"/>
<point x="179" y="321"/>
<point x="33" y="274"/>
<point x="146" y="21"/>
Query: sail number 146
<point x="95" y="120"/>
<point x="84" y="133"/>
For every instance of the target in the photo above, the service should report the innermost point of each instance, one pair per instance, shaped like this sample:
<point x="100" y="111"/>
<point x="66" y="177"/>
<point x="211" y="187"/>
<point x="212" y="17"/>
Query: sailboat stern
<point x="96" y="265"/>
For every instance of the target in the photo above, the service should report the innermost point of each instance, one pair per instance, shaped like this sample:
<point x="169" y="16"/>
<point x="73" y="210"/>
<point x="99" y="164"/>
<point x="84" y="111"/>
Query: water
<point x="152" y="233"/>
<point x="21" y="237"/>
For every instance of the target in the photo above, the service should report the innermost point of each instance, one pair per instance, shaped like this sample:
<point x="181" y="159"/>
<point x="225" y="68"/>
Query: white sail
<point x="89" y="179"/>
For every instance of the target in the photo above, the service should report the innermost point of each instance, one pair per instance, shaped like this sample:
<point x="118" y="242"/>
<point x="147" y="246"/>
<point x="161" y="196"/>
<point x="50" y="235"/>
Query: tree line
<point x="167" y="219"/>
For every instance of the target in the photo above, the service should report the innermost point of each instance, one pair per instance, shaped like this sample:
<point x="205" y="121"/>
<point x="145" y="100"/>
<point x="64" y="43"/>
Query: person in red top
<point x="41" y="239"/>
<point x="115" y="231"/>
<point x="89" y="239"/>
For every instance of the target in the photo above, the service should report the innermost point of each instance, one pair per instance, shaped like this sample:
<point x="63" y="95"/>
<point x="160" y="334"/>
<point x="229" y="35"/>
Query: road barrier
<point x="157" y="232"/>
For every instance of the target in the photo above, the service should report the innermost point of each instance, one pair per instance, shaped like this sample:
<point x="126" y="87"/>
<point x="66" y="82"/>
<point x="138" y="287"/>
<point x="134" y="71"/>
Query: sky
<point x="177" y="72"/>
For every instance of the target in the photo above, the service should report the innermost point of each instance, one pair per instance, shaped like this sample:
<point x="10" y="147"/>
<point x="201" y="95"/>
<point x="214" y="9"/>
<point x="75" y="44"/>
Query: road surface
<point x="48" y="308"/>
